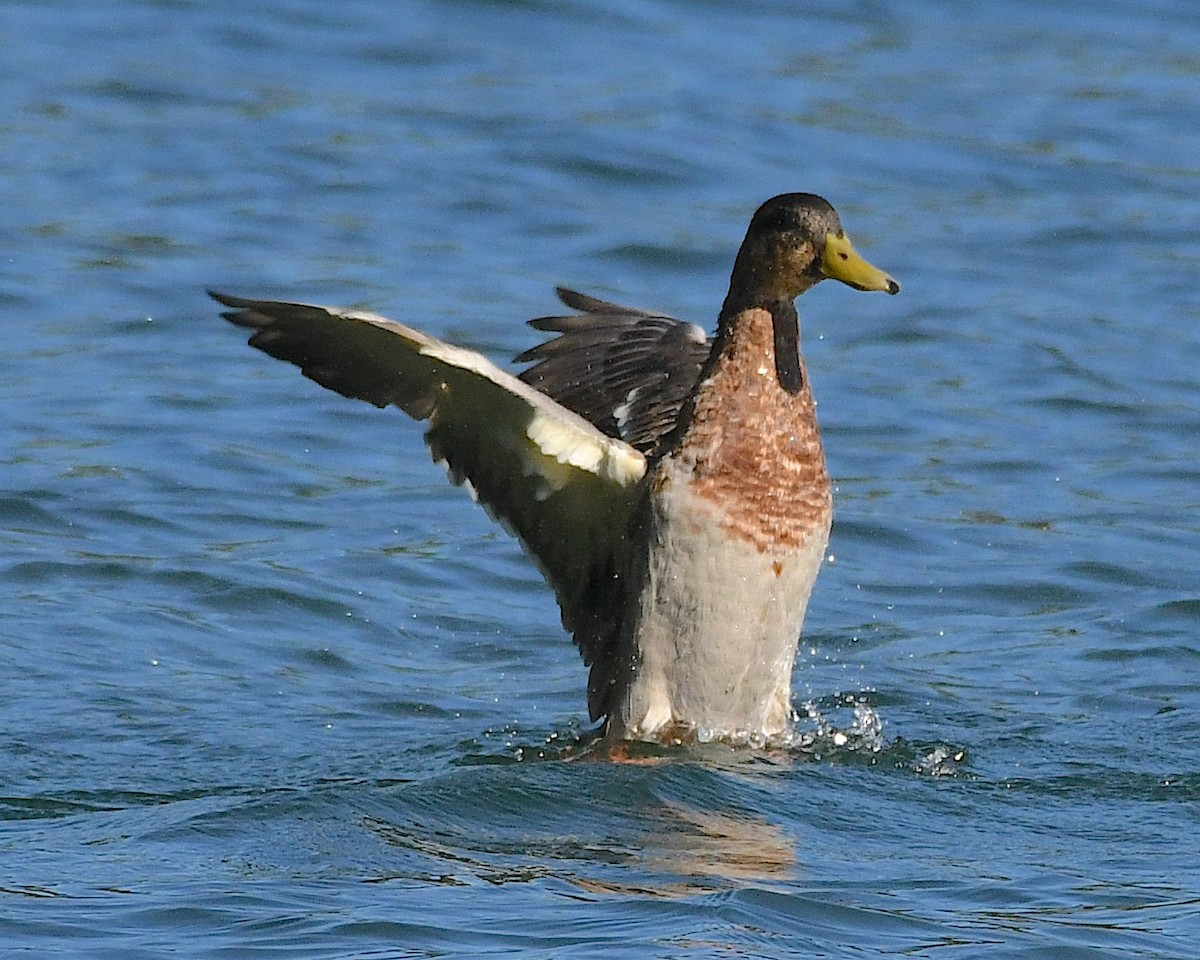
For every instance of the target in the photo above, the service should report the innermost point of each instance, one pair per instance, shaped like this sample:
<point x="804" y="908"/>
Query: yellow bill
<point x="842" y="262"/>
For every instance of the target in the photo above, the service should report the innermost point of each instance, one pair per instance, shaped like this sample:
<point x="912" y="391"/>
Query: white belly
<point x="715" y="634"/>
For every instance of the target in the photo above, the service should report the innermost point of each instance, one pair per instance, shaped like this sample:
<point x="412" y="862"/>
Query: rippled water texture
<point x="269" y="686"/>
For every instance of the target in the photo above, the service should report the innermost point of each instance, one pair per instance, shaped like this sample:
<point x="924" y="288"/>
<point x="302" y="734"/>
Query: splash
<point x="940" y="761"/>
<point x="817" y="732"/>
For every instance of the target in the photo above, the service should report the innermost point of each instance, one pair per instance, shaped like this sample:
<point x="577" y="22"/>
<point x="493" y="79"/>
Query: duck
<point x="671" y="486"/>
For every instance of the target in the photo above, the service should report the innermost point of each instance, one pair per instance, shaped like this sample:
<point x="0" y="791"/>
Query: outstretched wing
<point x="563" y="487"/>
<point x="626" y="371"/>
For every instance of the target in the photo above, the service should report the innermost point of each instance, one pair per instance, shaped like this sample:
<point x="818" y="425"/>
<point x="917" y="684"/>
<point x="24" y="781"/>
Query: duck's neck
<point x="772" y="284"/>
<point x="785" y="323"/>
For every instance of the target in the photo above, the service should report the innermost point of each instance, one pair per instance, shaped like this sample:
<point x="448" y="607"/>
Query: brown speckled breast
<point x="752" y="449"/>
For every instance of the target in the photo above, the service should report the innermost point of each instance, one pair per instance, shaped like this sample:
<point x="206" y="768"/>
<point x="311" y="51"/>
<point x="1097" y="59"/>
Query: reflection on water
<point x="690" y="850"/>
<point x="706" y="849"/>
<point x="686" y="848"/>
<point x="665" y="814"/>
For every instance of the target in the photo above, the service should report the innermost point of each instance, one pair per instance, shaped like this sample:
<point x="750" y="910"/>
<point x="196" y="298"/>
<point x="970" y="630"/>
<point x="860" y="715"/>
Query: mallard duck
<point x="671" y="487"/>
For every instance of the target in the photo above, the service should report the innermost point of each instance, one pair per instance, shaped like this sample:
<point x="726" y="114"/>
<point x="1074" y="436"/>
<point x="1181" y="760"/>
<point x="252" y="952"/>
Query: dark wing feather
<point x="566" y="490"/>
<point x="626" y="371"/>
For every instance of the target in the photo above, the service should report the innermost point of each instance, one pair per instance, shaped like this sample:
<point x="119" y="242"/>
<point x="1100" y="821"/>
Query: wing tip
<point x="242" y="314"/>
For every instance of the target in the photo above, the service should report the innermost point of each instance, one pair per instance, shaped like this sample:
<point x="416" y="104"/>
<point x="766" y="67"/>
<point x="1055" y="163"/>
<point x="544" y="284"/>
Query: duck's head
<point x="795" y="241"/>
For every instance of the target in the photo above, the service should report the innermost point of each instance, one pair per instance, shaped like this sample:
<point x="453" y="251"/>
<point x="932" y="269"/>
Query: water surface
<point x="269" y="686"/>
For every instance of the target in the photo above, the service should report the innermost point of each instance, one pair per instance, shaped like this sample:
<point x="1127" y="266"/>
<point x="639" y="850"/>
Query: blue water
<point x="269" y="686"/>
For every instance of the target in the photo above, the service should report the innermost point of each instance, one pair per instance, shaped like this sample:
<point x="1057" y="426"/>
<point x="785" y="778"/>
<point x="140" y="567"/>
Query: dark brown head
<point x="794" y="241"/>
